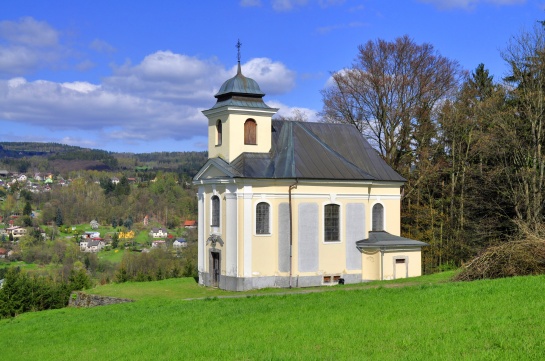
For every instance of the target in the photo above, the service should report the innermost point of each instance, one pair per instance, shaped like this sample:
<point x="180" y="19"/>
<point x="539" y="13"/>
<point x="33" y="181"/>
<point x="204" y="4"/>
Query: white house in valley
<point x="294" y="204"/>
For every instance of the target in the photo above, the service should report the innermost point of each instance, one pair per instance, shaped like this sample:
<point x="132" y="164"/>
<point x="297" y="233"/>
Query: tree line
<point x="470" y="147"/>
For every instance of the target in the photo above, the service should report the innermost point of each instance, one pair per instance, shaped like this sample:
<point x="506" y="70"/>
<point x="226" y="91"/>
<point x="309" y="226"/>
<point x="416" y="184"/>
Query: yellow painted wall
<point x="332" y="256"/>
<point x="232" y="144"/>
<point x="370" y="265"/>
<point x="414" y="265"/>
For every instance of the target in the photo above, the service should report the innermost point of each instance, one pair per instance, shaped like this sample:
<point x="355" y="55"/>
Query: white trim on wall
<point x="247" y="229"/>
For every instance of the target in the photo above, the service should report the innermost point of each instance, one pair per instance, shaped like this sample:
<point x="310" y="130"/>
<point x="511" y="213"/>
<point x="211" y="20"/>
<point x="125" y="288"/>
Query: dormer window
<point x="250" y="132"/>
<point x="218" y="132"/>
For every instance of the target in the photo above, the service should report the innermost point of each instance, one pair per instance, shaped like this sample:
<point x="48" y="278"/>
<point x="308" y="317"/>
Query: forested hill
<point x="61" y="158"/>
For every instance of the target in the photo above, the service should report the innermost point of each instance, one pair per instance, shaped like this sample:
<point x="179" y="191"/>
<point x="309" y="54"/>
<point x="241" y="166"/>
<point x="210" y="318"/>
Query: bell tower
<point x="240" y="121"/>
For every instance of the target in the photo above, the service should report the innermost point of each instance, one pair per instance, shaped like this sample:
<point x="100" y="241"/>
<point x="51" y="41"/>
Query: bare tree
<point x="389" y="93"/>
<point x="523" y="156"/>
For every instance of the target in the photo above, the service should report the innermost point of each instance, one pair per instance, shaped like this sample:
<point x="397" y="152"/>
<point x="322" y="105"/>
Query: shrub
<point x="23" y="292"/>
<point x="516" y="258"/>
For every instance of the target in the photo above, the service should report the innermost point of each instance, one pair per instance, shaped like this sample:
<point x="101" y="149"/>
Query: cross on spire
<point x="239" y="44"/>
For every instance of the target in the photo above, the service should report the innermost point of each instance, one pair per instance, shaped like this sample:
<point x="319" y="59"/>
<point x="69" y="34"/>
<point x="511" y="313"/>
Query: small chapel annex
<point x="294" y="204"/>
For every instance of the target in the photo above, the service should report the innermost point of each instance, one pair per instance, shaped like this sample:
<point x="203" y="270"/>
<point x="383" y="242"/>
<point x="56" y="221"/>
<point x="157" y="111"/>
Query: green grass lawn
<point x="187" y="288"/>
<point x="430" y="320"/>
<point x="113" y="255"/>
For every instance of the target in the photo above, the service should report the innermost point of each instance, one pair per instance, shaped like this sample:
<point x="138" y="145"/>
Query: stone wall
<point x="80" y="299"/>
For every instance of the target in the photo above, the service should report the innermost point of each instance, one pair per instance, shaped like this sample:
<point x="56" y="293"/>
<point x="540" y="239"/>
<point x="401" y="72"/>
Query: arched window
<point x="218" y="131"/>
<point x="378" y="217"/>
<point x="331" y="223"/>
<point x="250" y="131"/>
<point x="262" y="218"/>
<point x="215" y="211"/>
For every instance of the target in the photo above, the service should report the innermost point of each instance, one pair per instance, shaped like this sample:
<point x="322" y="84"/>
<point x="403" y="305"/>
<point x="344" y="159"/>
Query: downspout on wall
<point x="292" y="186"/>
<point x="382" y="264"/>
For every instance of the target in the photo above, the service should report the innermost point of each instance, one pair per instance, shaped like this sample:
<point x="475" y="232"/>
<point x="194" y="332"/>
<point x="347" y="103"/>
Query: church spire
<point x="239" y="44"/>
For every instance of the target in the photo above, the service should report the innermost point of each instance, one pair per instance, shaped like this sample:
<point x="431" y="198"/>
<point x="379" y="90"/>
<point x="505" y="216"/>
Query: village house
<point x="294" y="204"/>
<point x="91" y="234"/>
<point x="158" y="232"/>
<point x="92" y="245"/>
<point x="190" y="224"/>
<point x="179" y="243"/>
<point x="16" y="231"/>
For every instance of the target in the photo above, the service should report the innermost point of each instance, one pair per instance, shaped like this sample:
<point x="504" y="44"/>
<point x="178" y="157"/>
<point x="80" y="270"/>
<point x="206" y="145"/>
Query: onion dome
<point x="240" y="91"/>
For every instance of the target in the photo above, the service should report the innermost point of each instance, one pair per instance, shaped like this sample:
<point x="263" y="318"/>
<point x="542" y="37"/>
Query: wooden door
<point x="216" y="267"/>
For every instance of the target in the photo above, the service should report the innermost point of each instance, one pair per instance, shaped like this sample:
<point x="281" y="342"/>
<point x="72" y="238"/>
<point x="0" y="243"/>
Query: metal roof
<point x="240" y="91"/>
<point x="385" y="240"/>
<point x="316" y="151"/>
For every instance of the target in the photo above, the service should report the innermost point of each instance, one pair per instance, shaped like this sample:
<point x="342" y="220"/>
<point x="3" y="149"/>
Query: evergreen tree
<point x="27" y="210"/>
<point x="58" y="218"/>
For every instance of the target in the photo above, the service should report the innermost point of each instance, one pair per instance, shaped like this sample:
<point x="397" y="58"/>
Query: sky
<point x="134" y="76"/>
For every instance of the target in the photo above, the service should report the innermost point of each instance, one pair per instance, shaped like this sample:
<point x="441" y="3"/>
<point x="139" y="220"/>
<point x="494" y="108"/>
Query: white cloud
<point x="160" y="98"/>
<point x="26" y="45"/>
<point x="101" y="46"/>
<point x="309" y="115"/>
<point x="167" y="76"/>
<point x="469" y="4"/>
<point x="287" y="5"/>
<point x="30" y="32"/>
<point x="272" y="77"/>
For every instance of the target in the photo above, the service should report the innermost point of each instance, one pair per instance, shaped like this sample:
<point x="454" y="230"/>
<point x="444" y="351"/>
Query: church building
<point x="294" y="204"/>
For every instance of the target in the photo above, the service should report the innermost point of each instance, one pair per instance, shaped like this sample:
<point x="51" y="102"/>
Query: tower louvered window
<point x="250" y="132"/>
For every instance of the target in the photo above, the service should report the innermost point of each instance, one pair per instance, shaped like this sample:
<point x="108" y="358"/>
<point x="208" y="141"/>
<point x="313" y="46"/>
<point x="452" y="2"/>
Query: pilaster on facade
<point x="247" y="229"/>
<point x="201" y="235"/>
<point x="231" y="231"/>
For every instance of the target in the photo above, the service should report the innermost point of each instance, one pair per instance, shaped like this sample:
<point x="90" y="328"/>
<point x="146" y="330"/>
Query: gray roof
<point x="385" y="240"/>
<point x="315" y="151"/>
<point x="240" y="91"/>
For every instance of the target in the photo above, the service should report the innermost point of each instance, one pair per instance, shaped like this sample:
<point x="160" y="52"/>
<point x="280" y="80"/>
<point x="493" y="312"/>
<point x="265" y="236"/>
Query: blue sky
<point x="134" y="76"/>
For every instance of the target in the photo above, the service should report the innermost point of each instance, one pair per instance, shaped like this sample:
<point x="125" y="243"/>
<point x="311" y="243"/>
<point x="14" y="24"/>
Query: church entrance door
<point x="216" y="267"/>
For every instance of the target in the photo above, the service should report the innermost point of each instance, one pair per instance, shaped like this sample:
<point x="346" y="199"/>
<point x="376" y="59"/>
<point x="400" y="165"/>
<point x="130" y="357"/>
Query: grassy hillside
<point x="484" y="320"/>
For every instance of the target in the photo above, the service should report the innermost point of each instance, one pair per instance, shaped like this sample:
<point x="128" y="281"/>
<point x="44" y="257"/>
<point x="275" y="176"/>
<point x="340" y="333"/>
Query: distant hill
<point x="61" y="158"/>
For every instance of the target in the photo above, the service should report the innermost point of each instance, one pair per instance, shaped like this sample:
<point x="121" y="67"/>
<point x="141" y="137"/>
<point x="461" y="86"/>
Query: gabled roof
<point x="384" y="239"/>
<point x="315" y="151"/>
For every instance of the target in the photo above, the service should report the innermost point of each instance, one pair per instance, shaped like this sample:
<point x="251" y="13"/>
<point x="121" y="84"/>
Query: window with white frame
<point x="262" y="218"/>
<point x="378" y="218"/>
<point x="332" y="223"/>
<point x="215" y="211"/>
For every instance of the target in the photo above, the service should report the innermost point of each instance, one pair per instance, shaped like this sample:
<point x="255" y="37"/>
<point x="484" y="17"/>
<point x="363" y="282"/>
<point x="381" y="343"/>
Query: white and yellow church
<point x="294" y="204"/>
